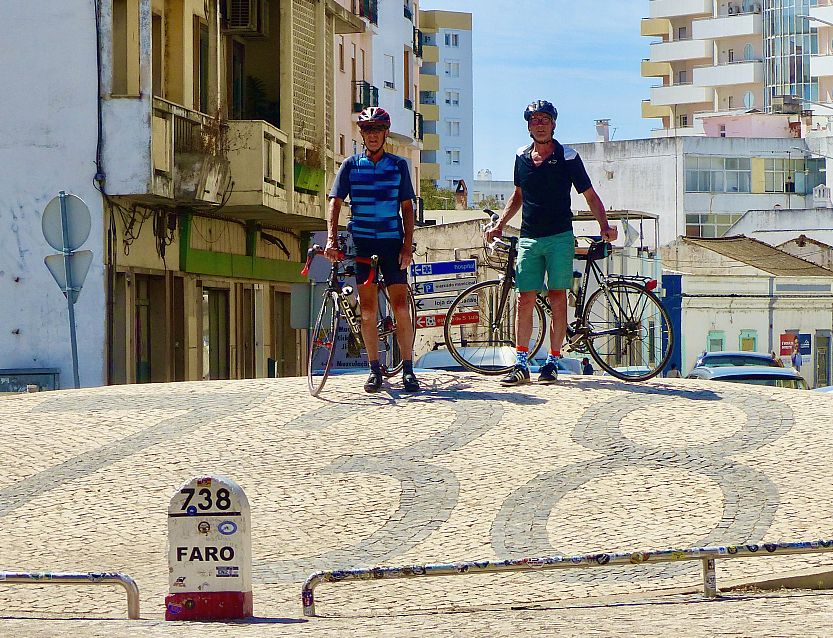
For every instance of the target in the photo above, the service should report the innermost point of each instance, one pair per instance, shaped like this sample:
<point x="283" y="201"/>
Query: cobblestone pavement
<point x="464" y="471"/>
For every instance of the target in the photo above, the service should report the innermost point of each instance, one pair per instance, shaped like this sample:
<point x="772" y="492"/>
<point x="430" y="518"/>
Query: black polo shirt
<point x="546" y="190"/>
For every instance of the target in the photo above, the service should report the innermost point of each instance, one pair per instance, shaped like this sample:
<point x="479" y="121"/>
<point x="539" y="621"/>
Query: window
<point x="793" y="175"/>
<point x="200" y="65"/>
<point x="390" y="72"/>
<point x="731" y="55"/>
<point x="748" y="52"/>
<point x="341" y="144"/>
<point x="709" y="225"/>
<point x="683" y="119"/>
<point x="682" y="33"/>
<point x="682" y="77"/>
<point x="718" y="174"/>
<point x="452" y="157"/>
<point x="730" y="101"/>
<point x="717" y="339"/>
<point x="452" y="98"/>
<point x="452" y="128"/>
<point x="452" y="68"/>
<point x="341" y="53"/>
<point x="749" y="99"/>
<point x="452" y="39"/>
<point x="749" y="340"/>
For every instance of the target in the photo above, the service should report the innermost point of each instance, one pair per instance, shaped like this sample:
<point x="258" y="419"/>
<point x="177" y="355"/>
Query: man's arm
<point x="608" y="232"/>
<point x="513" y="205"/>
<point x="331" y="250"/>
<point x="406" y="254"/>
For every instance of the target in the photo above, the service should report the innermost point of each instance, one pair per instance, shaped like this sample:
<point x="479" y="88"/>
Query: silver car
<point x="756" y="375"/>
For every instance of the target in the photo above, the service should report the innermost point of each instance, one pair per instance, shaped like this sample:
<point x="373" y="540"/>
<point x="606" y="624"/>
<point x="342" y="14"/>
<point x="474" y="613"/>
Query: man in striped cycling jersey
<point x="379" y="186"/>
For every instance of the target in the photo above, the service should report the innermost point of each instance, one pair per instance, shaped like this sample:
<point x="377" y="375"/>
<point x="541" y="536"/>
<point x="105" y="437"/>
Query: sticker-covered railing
<point x="707" y="555"/>
<point x="83" y="578"/>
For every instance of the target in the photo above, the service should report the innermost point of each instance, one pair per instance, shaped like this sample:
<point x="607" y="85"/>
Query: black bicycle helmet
<point x="541" y="106"/>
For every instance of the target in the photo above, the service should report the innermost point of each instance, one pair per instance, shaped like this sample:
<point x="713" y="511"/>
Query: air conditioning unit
<point x="248" y="18"/>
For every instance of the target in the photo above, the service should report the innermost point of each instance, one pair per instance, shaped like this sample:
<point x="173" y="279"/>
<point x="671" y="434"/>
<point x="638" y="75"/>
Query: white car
<point x="827" y="388"/>
<point x="441" y="359"/>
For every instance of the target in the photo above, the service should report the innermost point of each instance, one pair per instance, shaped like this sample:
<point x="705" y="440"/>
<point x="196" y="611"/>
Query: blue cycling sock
<point x="521" y="358"/>
<point x="551" y="358"/>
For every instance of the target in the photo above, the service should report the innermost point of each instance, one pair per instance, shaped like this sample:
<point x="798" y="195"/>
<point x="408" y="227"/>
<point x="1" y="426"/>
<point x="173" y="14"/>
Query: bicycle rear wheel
<point x="322" y="344"/>
<point x="630" y="334"/>
<point x="390" y="354"/>
<point x="480" y="328"/>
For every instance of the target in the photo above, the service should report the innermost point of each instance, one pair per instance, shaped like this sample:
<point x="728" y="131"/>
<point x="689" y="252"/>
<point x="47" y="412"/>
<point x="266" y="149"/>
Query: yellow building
<point x="219" y="146"/>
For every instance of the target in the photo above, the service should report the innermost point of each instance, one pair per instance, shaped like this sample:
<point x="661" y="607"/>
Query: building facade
<point x="446" y="98"/>
<point x="203" y="144"/>
<point x="714" y="56"/>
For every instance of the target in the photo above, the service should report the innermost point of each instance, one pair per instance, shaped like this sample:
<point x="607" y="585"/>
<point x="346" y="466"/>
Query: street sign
<point x="438" y="321"/>
<point x="79" y="265"/>
<point x="209" y="551"/>
<point x="78" y="223"/>
<point x="442" y="285"/>
<point x="424" y="304"/>
<point x="444" y="268"/>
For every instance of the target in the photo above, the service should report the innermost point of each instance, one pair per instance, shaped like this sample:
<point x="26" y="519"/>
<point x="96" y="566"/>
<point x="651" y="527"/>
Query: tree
<point x="435" y="198"/>
<point x="490" y="202"/>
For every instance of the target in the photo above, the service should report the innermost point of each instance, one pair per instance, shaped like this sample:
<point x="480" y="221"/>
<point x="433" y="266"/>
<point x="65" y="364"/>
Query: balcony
<point x="367" y="9"/>
<point x="430" y="111"/>
<point x="747" y="72"/>
<point x="655" y="69"/>
<point x="429" y="82"/>
<point x="728" y="27"/>
<point x="430" y="53"/>
<point x="824" y="11"/>
<point x="418" y="42"/>
<point x="652" y="110"/>
<point x="658" y="27"/>
<point x="409" y="13"/>
<point x="186" y="154"/>
<point x="409" y="104"/>
<point x="431" y="142"/>
<point x="257" y="167"/>
<point x="679" y="8"/>
<point x="430" y="171"/>
<point x="681" y="50"/>
<point x="364" y="95"/>
<point x="419" y="126"/>
<point x="680" y="94"/>
<point x="821" y="66"/>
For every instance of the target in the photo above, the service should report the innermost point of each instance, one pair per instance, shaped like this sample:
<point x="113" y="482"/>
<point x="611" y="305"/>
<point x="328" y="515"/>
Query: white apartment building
<point x="485" y="188"/>
<point x="716" y="56"/>
<point x="446" y="98"/>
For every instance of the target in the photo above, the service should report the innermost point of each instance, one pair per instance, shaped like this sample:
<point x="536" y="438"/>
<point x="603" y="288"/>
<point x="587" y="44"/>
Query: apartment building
<point x="718" y="56"/>
<point x="200" y="133"/>
<point x="446" y="98"/>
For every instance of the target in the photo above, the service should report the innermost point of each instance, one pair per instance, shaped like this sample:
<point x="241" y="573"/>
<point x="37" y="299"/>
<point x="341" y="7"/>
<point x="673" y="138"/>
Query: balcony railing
<point x="417" y="42"/>
<point x="364" y="95"/>
<point x="368" y="9"/>
<point x="409" y="12"/>
<point x="419" y="126"/>
<point x="409" y="104"/>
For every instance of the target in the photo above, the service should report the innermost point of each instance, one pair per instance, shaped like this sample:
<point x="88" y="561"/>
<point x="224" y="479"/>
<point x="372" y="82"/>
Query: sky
<point x="582" y="56"/>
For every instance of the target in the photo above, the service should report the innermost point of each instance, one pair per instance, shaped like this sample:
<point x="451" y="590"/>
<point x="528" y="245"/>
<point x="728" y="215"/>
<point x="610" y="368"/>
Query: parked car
<point x="564" y="365"/>
<point x="756" y="375"/>
<point x="736" y="358"/>
<point x="827" y="388"/>
<point x="441" y="359"/>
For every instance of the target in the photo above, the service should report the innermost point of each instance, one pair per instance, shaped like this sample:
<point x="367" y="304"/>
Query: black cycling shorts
<point x="388" y="252"/>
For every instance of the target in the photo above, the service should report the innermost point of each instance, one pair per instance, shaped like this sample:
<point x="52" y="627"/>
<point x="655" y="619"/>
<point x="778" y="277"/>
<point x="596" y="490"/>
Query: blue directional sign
<point x="442" y="285"/>
<point x="444" y="268"/>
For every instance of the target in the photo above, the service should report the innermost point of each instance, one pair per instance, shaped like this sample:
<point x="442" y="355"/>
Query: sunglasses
<point x="373" y="129"/>
<point x="538" y="121"/>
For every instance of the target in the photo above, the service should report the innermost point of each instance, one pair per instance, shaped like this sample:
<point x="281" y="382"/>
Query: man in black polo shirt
<point x="545" y="172"/>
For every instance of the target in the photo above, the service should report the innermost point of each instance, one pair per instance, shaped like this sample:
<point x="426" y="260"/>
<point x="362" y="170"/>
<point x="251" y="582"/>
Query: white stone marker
<point x="209" y="551"/>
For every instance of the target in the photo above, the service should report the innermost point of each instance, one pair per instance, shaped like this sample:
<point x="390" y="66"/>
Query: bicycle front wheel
<point x="630" y="334"/>
<point x="390" y="353"/>
<point x="322" y="345"/>
<point x="480" y="328"/>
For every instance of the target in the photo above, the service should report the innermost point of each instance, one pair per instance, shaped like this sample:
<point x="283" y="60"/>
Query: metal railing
<point x="82" y="578"/>
<point x="706" y="555"/>
<point x="409" y="13"/>
<point x="408" y="103"/>
<point x="368" y="9"/>
<point x="364" y="95"/>
<point x="419" y="126"/>
<point x="418" y="42"/>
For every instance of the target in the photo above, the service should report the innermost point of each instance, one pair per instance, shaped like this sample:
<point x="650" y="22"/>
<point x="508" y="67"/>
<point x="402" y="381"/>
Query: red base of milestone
<point x="202" y="606"/>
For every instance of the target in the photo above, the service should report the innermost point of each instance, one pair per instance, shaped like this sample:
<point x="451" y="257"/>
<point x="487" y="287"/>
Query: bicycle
<point x="339" y="301"/>
<point x="622" y="325"/>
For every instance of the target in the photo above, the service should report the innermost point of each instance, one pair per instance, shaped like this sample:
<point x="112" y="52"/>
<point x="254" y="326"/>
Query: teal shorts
<point x="552" y="255"/>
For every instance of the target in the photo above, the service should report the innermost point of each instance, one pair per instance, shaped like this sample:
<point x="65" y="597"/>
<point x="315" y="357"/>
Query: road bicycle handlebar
<point x="318" y="250"/>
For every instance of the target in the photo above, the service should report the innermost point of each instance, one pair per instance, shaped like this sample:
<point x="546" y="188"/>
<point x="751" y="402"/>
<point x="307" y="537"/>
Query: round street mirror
<point x="78" y="223"/>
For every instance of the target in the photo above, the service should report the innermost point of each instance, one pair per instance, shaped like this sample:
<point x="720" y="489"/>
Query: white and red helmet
<point x="374" y="116"/>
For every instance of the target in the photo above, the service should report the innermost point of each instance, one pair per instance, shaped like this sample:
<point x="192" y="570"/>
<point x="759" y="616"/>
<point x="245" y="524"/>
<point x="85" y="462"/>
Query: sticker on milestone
<point x="227" y="572"/>
<point x="227" y="528"/>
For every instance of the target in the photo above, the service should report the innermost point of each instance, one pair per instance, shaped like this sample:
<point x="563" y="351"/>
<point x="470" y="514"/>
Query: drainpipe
<point x="772" y="315"/>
